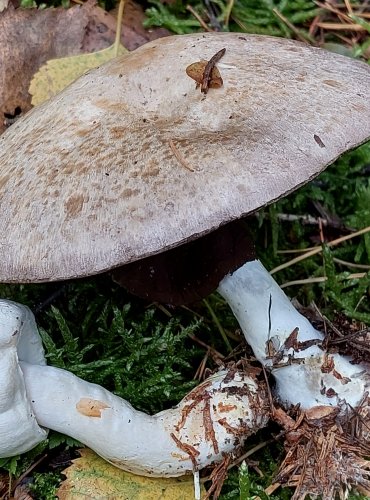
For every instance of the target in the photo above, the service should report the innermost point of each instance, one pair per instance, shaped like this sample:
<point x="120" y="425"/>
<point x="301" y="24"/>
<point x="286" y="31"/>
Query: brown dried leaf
<point x="327" y="453"/>
<point x="4" y="484"/>
<point x="22" y="493"/>
<point x="196" y="72"/>
<point x="30" y="37"/>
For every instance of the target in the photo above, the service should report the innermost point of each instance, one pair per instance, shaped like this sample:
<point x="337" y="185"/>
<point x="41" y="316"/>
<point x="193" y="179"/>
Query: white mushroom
<point x="327" y="447"/>
<point x="212" y="420"/>
<point x="286" y="342"/>
<point x="19" y="430"/>
<point x="140" y="162"/>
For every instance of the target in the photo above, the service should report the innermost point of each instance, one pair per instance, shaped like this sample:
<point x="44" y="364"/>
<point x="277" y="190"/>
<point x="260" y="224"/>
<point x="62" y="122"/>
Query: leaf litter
<point x="31" y="37"/>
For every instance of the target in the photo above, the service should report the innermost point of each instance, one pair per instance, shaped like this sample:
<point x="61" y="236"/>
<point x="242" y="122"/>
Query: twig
<point x="305" y="219"/>
<point x="251" y="451"/>
<point x="311" y="220"/>
<point x="218" y="324"/>
<point x="272" y="488"/>
<point x="320" y="279"/>
<point x="313" y="26"/>
<point x="290" y="25"/>
<point x="351" y="264"/>
<point x="340" y="26"/>
<point x="117" y="40"/>
<point x="198" y="18"/>
<point x="178" y="156"/>
<point x="208" y="70"/>
<point x="228" y="10"/>
<point x="330" y="8"/>
<point x="162" y="308"/>
<point x="206" y="346"/>
<point x="348" y="7"/>
<point x="26" y="473"/>
<point x="296" y="250"/>
<point x="200" y="370"/>
<point x="212" y="15"/>
<point x="317" y="250"/>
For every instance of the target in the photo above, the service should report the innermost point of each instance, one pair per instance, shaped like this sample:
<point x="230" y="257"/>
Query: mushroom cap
<point x="132" y="159"/>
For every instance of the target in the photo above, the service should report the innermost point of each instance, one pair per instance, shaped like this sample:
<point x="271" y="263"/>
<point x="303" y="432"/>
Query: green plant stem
<point x="218" y="324"/>
<point x="117" y="40"/>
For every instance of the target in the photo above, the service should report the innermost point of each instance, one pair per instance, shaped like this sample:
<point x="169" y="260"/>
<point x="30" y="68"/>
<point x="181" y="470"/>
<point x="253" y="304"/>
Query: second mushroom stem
<point x="212" y="420"/>
<point x="285" y="342"/>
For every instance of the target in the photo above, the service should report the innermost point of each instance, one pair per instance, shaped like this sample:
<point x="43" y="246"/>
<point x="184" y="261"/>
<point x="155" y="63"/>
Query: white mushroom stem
<point x="19" y="430"/>
<point x="214" y="419"/>
<point x="269" y="322"/>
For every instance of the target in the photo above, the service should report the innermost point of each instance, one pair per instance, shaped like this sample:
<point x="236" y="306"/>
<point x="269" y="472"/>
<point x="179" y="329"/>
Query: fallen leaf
<point x="196" y="72"/>
<point x="22" y="492"/>
<point x="30" y="37"/>
<point x="92" y="477"/>
<point x="56" y="74"/>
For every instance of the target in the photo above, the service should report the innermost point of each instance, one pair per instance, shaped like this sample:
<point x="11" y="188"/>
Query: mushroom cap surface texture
<point x="132" y="159"/>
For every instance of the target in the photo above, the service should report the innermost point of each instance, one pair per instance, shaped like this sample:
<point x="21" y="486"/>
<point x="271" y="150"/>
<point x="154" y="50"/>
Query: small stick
<point x="201" y="368"/>
<point x="208" y="70"/>
<point x="305" y="219"/>
<point x="198" y="18"/>
<point x="206" y="346"/>
<point x="26" y="473"/>
<point x="251" y="451"/>
<point x="316" y="250"/>
<point x="351" y="264"/>
<point x="296" y="250"/>
<point x="178" y="156"/>
<point x="117" y="40"/>
<point x="320" y="279"/>
<point x="339" y="26"/>
<point x="330" y="8"/>
<point x="228" y="10"/>
<point x="290" y="25"/>
<point x="313" y="26"/>
<point x="218" y="325"/>
<point x="348" y="7"/>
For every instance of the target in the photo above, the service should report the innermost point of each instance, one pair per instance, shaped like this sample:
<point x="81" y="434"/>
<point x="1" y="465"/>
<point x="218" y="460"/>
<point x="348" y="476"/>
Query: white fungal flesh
<point x="171" y="443"/>
<point x="268" y="319"/>
<point x="19" y="430"/>
<point x="213" y="419"/>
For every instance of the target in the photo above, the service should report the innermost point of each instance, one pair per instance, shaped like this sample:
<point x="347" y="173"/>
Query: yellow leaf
<point x="56" y="74"/>
<point x="91" y="477"/>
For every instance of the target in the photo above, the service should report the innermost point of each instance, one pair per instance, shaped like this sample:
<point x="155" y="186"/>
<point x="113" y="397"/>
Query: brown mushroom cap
<point x="132" y="159"/>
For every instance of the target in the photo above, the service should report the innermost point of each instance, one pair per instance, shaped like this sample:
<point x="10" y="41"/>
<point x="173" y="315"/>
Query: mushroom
<point x="214" y="419"/>
<point x="19" y="429"/>
<point x="140" y="161"/>
<point x="132" y="159"/>
<point x="286" y="342"/>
